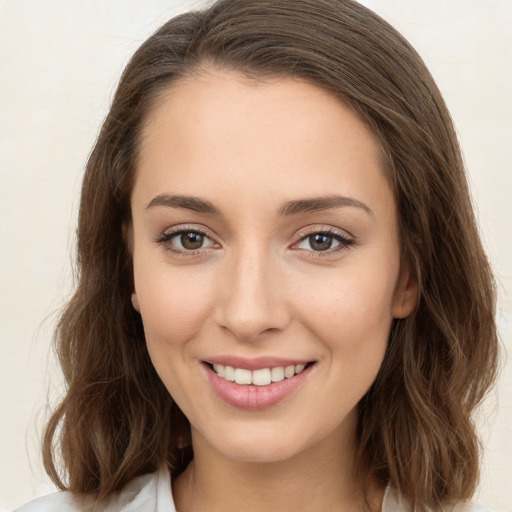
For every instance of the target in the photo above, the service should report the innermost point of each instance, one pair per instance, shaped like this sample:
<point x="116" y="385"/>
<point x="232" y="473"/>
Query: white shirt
<point x="152" y="493"/>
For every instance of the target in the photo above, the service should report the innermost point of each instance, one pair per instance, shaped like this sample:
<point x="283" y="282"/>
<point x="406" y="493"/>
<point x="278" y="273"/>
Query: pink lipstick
<point x="257" y="383"/>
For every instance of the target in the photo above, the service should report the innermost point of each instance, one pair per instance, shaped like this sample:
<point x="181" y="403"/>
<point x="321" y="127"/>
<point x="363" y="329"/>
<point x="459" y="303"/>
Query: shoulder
<point x="471" y="507"/>
<point x="146" y="493"/>
<point x="393" y="503"/>
<point x="62" y="501"/>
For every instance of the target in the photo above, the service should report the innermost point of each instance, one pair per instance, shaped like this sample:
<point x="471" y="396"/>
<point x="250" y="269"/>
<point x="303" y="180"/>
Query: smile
<point x="264" y="386"/>
<point x="261" y="377"/>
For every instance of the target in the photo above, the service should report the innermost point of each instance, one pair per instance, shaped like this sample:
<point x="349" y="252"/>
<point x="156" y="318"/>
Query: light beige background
<point x="59" y="63"/>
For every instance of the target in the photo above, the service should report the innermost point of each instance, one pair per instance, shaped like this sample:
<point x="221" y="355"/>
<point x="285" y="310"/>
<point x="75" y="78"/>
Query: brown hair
<point x="118" y="421"/>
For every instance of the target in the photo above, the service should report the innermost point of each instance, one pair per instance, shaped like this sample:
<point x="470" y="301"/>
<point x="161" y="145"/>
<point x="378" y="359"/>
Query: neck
<point x="320" y="479"/>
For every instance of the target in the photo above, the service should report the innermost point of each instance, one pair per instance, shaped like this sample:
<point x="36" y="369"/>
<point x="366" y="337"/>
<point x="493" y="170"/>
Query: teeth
<point x="299" y="368"/>
<point x="243" y="376"/>
<point x="289" y="371"/>
<point x="219" y="369"/>
<point x="229" y="373"/>
<point x="277" y="374"/>
<point x="262" y="377"/>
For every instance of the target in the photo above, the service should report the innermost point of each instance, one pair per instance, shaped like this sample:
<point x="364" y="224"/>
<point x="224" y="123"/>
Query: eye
<point x="324" y="241"/>
<point x="186" y="240"/>
<point x="318" y="242"/>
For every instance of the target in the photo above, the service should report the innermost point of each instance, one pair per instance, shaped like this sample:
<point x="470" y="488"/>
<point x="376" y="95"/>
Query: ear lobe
<point x="406" y="295"/>
<point x="135" y="302"/>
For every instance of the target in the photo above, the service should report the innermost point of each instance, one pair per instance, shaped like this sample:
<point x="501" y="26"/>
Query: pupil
<point x="191" y="240"/>
<point x="320" y="242"/>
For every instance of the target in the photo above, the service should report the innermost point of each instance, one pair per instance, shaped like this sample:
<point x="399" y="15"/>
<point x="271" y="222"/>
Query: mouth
<point x="259" y="377"/>
<point x="258" y="388"/>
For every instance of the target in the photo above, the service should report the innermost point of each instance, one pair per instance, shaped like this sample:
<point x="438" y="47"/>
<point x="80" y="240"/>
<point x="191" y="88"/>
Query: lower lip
<point x="251" y="397"/>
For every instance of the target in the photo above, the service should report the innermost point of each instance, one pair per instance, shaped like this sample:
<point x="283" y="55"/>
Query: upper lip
<point x="255" y="363"/>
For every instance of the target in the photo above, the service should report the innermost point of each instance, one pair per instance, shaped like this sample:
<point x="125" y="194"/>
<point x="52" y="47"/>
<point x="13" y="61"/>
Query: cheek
<point x="352" y="320"/>
<point x="351" y="311"/>
<point x="174" y="304"/>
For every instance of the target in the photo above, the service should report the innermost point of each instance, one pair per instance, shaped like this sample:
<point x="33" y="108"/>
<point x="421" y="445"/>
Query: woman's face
<point x="264" y="239"/>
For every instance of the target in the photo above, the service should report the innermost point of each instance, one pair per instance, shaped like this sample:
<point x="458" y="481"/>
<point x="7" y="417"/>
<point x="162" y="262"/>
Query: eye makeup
<point x="187" y="241"/>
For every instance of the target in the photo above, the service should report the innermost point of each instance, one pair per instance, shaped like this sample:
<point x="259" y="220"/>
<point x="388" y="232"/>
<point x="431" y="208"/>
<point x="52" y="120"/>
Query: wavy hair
<point x="415" y="428"/>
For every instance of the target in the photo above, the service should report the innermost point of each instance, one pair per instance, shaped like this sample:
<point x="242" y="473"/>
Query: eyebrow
<point x="289" y="208"/>
<point x="188" y="202"/>
<point x="320" y="203"/>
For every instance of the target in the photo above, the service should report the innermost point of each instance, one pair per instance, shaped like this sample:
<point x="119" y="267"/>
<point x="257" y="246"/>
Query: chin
<point x="262" y="442"/>
<point x="262" y="450"/>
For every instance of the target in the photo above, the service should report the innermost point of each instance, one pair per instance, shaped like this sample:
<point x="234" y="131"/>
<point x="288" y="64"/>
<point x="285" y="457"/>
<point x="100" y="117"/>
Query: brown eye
<point x="191" y="240"/>
<point x="324" y="241"/>
<point x="186" y="241"/>
<point x="320" y="242"/>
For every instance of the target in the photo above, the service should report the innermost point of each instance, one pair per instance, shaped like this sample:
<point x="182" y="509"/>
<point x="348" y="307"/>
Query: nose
<point x="253" y="299"/>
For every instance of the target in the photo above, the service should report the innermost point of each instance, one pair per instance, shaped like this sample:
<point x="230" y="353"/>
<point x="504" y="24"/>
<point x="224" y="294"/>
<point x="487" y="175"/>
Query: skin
<point x="257" y="286"/>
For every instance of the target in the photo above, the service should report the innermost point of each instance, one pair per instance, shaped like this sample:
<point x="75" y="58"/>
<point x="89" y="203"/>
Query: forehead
<point x="216" y="98"/>
<point x="279" y="136"/>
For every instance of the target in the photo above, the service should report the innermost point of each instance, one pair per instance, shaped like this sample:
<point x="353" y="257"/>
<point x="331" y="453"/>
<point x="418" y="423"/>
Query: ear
<point x="135" y="302"/>
<point x="127" y="234"/>
<point x="406" y="295"/>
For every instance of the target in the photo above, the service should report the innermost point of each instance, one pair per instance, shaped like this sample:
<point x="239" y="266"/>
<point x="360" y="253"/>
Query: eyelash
<point x="165" y="239"/>
<point x="343" y="240"/>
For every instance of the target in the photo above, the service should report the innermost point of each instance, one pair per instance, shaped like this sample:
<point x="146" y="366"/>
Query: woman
<point x="283" y="299"/>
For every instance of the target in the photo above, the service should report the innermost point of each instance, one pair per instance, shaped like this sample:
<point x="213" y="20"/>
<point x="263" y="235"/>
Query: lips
<point x="254" y="384"/>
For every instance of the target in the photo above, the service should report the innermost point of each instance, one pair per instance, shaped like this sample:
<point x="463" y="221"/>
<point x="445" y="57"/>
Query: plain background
<point x="59" y="63"/>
